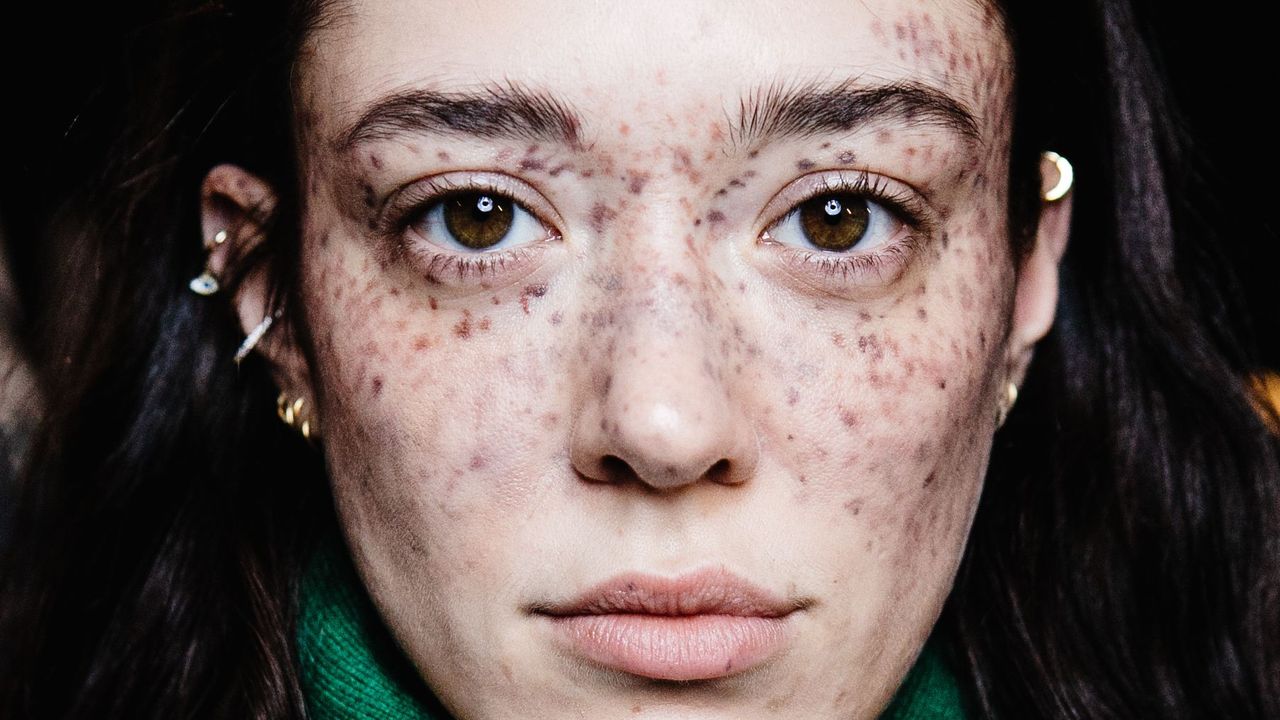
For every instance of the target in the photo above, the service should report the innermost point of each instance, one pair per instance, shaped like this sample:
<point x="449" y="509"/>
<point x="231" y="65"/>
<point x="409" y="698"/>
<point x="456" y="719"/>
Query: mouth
<point x="701" y="626"/>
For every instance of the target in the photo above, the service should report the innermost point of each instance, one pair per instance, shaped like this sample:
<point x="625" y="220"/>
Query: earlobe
<point x="1036" y="300"/>
<point x="236" y="208"/>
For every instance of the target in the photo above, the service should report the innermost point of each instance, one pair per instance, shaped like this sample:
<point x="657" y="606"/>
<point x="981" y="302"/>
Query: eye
<point x="476" y="221"/>
<point x="837" y="222"/>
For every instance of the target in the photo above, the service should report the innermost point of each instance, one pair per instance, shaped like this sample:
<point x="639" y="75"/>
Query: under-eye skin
<point x="466" y="225"/>
<point x="848" y="228"/>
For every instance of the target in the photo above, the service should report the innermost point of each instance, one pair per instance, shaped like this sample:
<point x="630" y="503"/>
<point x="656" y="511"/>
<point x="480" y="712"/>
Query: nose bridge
<point x="660" y="409"/>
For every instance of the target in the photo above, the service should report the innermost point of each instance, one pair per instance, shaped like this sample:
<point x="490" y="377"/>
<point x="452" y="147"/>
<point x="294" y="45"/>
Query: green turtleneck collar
<point x="352" y="669"/>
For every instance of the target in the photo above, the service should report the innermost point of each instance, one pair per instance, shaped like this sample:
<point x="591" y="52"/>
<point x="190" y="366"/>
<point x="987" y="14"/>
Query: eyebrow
<point x="778" y="111"/>
<point x="496" y="111"/>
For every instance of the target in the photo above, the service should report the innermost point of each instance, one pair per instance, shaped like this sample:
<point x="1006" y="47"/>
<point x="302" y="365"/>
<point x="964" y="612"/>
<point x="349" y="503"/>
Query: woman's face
<point x="657" y="341"/>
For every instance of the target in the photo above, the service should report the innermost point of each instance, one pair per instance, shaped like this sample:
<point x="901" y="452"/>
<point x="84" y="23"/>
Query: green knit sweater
<point x="352" y="669"/>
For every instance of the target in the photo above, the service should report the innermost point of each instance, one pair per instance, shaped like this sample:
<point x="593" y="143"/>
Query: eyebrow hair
<point x="778" y="110"/>
<point x="506" y="110"/>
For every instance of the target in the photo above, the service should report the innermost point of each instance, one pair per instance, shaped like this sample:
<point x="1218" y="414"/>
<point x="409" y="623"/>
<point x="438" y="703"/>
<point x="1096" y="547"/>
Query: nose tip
<point x="664" y="435"/>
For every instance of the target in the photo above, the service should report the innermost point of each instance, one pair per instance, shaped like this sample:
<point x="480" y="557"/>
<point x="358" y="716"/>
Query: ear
<point x="237" y="205"/>
<point x="1036" y="298"/>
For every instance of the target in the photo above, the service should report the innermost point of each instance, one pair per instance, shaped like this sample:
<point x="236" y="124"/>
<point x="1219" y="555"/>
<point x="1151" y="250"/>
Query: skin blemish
<point x="853" y="507"/>
<point x="431" y="300"/>
<point x="531" y="291"/>
<point x="849" y="418"/>
<point x="870" y="345"/>
<point x="375" y="161"/>
<point x="715" y="216"/>
<point x="601" y="216"/>
<point x="462" y="328"/>
<point x="636" y="181"/>
<point x="805" y="165"/>
<point x="442" y="156"/>
<point x="376" y="385"/>
<point x="847" y="157"/>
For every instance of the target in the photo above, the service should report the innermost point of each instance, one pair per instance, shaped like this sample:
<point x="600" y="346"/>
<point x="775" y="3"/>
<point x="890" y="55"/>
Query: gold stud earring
<point x="1006" y="403"/>
<point x="1066" y="177"/>
<point x="291" y="412"/>
<point x="205" y="283"/>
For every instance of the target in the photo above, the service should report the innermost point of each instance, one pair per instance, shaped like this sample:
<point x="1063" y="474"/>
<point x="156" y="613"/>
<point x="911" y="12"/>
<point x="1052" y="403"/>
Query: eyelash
<point x="411" y="204"/>
<point x="905" y="207"/>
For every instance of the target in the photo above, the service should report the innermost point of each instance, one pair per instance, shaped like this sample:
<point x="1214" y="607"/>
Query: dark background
<point x="1221" y="60"/>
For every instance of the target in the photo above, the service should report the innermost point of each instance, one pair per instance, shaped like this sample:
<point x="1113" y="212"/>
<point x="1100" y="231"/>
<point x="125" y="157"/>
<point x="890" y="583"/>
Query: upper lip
<point x="707" y="592"/>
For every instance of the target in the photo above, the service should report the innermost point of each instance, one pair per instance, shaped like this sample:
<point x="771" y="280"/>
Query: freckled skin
<point x="650" y="392"/>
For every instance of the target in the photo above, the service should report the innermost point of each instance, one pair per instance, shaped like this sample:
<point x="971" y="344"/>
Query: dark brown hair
<point x="1123" y="562"/>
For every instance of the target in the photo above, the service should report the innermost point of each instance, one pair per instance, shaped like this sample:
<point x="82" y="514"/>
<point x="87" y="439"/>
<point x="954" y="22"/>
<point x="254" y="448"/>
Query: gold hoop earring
<point x="1066" y="177"/>
<point x="205" y="283"/>
<point x="1006" y="403"/>
<point x="291" y="412"/>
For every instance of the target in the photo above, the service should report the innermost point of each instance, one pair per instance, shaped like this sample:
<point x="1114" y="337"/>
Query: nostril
<point x="719" y="471"/>
<point x="615" y="469"/>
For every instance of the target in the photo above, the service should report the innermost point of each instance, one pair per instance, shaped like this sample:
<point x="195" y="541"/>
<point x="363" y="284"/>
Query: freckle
<point x="535" y="291"/>
<point x="495" y="300"/>
<point x="715" y="216"/>
<point x="805" y="165"/>
<point x="853" y="507"/>
<point x="849" y="418"/>
<point x="484" y="323"/>
<point x="846" y="157"/>
<point x="477" y="462"/>
<point x="601" y="215"/>
<point x="793" y="396"/>
<point x="837" y="339"/>
<point x="557" y="317"/>
<point x="555" y="171"/>
<point x="884" y="136"/>
<point x="922" y="314"/>
<point x="532" y="164"/>
<point x="942" y="384"/>
<point x="736" y="183"/>
<point x="753" y="154"/>
<point x="928" y="480"/>
<point x="624" y="129"/>
<point x="375" y="161"/>
<point x="463" y="327"/>
<point x="376" y="384"/>
<point x="421" y="342"/>
<point x="636" y="181"/>
<point x="444" y="156"/>
<point x="697" y="222"/>
<point x="431" y="300"/>
<point x="791" y="437"/>
<point x="864" y="316"/>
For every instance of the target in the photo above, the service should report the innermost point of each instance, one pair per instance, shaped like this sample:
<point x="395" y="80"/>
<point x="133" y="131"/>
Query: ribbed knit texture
<point x="352" y="669"/>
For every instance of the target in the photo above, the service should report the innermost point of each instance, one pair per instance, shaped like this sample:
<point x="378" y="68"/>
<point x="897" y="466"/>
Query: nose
<point x="661" y="409"/>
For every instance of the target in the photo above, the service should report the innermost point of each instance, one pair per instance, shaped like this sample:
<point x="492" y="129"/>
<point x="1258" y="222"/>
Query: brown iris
<point x="478" y="220"/>
<point x="836" y="221"/>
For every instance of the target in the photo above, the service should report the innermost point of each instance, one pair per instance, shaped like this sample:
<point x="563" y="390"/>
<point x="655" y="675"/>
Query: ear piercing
<point x="291" y="413"/>
<point x="255" y="336"/>
<point x="205" y="283"/>
<point x="1066" y="177"/>
<point x="1006" y="403"/>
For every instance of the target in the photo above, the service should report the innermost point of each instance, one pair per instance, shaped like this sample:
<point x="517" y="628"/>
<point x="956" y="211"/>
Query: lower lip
<point x="692" y="647"/>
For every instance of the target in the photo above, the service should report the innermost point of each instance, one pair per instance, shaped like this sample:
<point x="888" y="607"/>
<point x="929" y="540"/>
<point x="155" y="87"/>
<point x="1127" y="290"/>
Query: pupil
<point x="835" y="222"/>
<point x="478" y="220"/>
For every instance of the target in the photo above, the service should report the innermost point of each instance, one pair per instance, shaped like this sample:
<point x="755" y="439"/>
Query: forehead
<point x="643" y="60"/>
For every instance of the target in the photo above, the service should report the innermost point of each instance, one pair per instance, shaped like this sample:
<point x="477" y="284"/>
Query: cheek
<point x="437" y="419"/>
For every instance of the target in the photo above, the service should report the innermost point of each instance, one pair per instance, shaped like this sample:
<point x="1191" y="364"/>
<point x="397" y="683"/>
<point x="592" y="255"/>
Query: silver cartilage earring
<point x="1006" y="403"/>
<point x="255" y="335"/>
<point x="205" y="283"/>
